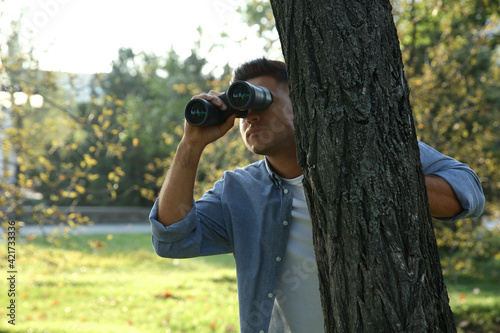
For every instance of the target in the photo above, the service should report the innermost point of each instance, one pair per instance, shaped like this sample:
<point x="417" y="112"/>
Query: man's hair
<point x="261" y="67"/>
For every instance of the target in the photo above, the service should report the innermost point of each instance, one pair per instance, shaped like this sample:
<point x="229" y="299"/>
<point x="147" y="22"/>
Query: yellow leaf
<point x="119" y="171"/>
<point x="89" y="160"/>
<point x="44" y="177"/>
<point x="69" y="194"/>
<point x="106" y="125"/>
<point x="29" y="238"/>
<point x="80" y="189"/>
<point x="92" y="177"/>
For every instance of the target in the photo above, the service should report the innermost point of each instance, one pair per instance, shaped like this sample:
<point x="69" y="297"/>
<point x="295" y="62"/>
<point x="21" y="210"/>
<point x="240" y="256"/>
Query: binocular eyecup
<point x="239" y="98"/>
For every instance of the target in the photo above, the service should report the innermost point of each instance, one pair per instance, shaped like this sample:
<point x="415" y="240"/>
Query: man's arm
<point x="443" y="202"/>
<point x="176" y="195"/>
<point x="454" y="190"/>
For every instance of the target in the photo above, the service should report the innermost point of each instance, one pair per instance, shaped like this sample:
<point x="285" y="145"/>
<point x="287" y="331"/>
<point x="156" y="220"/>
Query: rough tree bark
<point x="379" y="268"/>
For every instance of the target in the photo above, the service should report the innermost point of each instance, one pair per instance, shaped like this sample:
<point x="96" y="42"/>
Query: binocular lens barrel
<point x="198" y="112"/>
<point x="243" y="95"/>
<point x="240" y="97"/>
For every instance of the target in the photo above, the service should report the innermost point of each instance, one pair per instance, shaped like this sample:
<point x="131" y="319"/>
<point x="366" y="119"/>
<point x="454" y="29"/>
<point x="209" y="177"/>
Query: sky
<point x="84" y="36"/>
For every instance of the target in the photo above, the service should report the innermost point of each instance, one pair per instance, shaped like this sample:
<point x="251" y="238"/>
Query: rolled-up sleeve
<point x="203" y="231"/>
<point x="461" y="178"/>
<point x="178" y="240"/>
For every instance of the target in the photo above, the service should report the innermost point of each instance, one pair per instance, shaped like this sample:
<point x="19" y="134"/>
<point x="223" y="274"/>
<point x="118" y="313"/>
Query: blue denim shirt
<point x="248" y="213"/>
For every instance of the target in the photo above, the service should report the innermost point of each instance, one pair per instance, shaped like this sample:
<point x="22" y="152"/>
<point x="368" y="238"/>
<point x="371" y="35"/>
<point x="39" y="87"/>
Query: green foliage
<point x="464" y="244"/>
<point x="451" y="52"/>
<point x="259" y="15"/>
<point x="25" y="131"/>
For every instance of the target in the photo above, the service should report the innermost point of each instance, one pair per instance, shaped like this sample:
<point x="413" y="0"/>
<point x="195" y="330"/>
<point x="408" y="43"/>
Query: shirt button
<point x="278" y="259"/>
<point x="262" y="331"/>
<point x="286" y="191"/>
<point x="285" y="223"/>
<point x="270" y="295"/>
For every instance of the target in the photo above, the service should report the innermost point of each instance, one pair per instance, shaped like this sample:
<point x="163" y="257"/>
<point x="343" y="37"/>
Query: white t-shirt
<point x="298" y="295"/>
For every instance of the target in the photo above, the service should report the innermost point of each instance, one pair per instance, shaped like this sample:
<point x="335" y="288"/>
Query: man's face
<point x="270" y="132"/>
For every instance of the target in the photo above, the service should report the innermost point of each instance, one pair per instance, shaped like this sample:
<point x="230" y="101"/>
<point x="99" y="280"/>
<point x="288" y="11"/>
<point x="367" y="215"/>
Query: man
<point x="259" y="212"/>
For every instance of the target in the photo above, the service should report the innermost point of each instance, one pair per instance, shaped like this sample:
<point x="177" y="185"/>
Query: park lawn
<point x="99" y="283"/>
<point x="120" y="285"/>
<point x="475" y="302"/>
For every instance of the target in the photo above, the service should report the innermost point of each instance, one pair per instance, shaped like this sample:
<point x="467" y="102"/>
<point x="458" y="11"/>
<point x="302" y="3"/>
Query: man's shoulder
<point x="247" y="178"/>
<point x="255" y="169"/>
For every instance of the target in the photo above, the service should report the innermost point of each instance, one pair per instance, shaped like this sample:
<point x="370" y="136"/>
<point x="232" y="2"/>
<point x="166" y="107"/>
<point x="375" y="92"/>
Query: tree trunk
<point x="378" y="261"/>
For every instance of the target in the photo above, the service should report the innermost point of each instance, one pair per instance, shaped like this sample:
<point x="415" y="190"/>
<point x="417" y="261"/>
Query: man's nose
<point x="252" y="116"/>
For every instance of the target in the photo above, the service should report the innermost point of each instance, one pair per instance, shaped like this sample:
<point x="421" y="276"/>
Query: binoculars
<point x="240" y="97"/>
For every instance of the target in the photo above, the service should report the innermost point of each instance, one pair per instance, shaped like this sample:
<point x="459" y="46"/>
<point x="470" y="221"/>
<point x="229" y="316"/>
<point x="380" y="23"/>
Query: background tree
<point x="377" y="256"/>
<point x="24" y="131"/>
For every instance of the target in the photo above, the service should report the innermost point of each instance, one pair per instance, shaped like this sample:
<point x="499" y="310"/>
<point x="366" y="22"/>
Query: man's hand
<point x="203" y="135"/>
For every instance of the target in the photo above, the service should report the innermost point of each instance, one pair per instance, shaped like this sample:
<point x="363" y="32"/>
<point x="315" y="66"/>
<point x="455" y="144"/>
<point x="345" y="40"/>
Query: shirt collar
<point x="274" y="177"/>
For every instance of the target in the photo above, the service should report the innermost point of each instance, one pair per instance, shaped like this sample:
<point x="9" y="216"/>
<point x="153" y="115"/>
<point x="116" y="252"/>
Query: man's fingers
<point x="212" y="96"/>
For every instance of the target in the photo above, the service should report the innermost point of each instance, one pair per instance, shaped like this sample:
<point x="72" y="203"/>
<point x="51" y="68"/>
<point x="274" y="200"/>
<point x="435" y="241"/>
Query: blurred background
<point x="92" y="95"/>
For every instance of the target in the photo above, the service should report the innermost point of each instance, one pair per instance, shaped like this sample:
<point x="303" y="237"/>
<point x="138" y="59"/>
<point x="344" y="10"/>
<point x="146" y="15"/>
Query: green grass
<point x="475" y="303"/>
<point x="96" y="284"/>
<point x="123" y="287"/>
